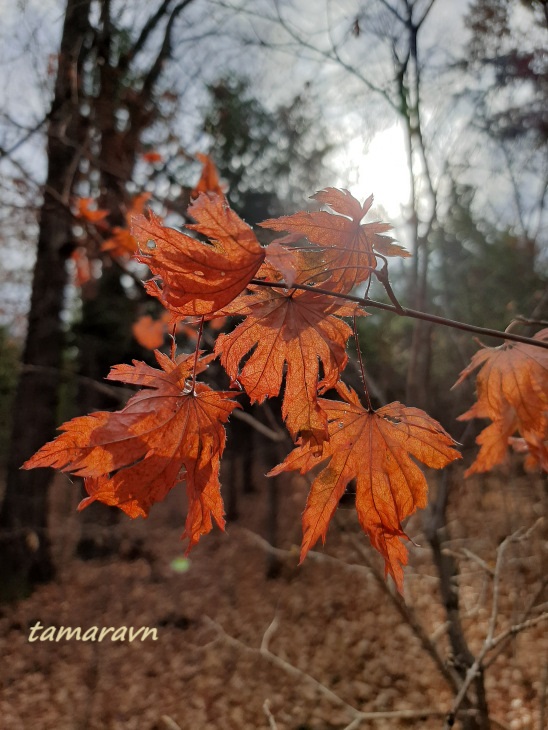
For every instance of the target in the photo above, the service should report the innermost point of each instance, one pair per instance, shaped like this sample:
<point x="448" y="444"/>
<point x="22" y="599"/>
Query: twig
<point x="408" y="615"/>
<point x="277" y="436"/>
<point x="491" y="641"/>
<point x="357" y="715"/>
<point x="367" y="571"/>
<point x="473" y="557"/>
<point x="114" y="391"/>
<point x="407" y="312"/>
<point x="524" y="616"/>
<point x="170" y="723"/>
<point x="271" y="721"/>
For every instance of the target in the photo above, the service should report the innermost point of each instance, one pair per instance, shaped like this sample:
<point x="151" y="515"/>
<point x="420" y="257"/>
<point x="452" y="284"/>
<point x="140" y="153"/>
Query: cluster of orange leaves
<point x="512" y="388"/>
<point x="118" y="240"/>
<point x="173" y="429"/>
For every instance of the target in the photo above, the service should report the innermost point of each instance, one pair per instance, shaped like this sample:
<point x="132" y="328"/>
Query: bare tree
<point x="79" y="127"/>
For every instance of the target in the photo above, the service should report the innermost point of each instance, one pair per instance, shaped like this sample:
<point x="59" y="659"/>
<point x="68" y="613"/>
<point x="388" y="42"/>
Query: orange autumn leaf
<point x="349" y="246"/>
<point x="133" y="457"/>
<point x="82" y="266"/>
<point x="149" y="332"/>
<point x="297" y="328"/>
<point x="152" y="157"/>
<point x="209" y="181"/>
<point x="512" y="389"/>
<point x="378" y="449"/>
<point x="84" y="212"/>
<point x="121" y="243"/>
<point x="193" y="278"/>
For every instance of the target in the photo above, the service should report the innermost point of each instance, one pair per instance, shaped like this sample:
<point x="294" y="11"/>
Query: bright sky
<point x="380" y="167"/>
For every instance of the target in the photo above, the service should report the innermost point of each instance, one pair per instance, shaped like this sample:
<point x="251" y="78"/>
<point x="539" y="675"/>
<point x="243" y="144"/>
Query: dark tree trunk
<point x="24" y="541"/>
<point x="104" y="335"/>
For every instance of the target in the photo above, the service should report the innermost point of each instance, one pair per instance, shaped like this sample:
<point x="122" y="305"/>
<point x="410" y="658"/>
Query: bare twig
<point x="357" y="715"/>
<point x="277" y="436"/>
<point x="491" y="641"/>
<point x="408" y="615"/>
<point x="407" y="312"/>
<point x="170" y="723"/>
<point x="113" y="391"/>
<point x="367" y="570"/>
<point x="271" y="721"/>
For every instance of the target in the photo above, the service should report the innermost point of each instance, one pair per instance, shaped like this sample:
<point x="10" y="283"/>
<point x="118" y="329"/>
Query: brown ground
<point x="333" y="623"/>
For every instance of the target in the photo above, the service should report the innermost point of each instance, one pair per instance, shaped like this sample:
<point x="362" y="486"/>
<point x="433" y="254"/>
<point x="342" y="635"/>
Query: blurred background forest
<point x="438" y="108"/>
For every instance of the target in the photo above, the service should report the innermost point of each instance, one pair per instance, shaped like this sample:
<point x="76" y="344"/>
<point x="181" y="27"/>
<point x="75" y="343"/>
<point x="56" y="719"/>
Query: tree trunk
<point x="24" y="540"/>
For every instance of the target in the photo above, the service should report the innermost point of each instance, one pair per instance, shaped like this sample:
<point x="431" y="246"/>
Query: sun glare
<point x="380" y="167"/>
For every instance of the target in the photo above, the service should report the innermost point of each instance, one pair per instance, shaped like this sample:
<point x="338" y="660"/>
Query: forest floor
<point x="327" y="620"/>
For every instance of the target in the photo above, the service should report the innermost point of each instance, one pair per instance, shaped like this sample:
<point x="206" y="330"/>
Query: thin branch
<point x="277" y="436"/>
<point x="165" y="51"/>
<point x="408" y="615"/>
<point x="146" y="30"/>
<point x="491" y="641"/>
<point x="271" y="721"/>
<point x="357" y="715"/>
<point x="407" y="312"/>
<point x="113" y="391"/>
<point x="367" y="570"/>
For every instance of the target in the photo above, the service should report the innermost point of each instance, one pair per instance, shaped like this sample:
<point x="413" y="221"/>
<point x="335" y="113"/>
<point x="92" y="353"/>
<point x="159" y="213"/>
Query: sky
<point x="370" y="155"/>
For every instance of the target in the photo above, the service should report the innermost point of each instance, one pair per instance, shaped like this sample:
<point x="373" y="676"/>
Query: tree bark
<point x="24" y="541"/>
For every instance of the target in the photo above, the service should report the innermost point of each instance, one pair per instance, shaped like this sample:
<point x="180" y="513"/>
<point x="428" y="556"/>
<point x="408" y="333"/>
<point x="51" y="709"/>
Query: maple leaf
<point x="300" y="328"/>
<point x="84" y="212"/>
<point x="121" y="243"/>
<point x="199" y="278"/>
<point x="209" y="181"/>
<point x="512" y="388"/>
<point x="149" y="332"/>
<point x="350" y="247"/>
<point x="133" y="457"/>
<point x="81" y="265"/>
<point x="377" y="449"/>
<point x="152" y="157"/>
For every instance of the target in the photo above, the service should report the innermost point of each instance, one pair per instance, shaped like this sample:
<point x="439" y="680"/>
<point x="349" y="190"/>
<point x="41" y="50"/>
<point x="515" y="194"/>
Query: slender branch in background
<point x="113" y="391"/>
<point x="15" y="146"/>
<point x="366" y="570"/>
<point x="357" y="715"/>
<point x="271" y="721"/>
<point x="491" y="641"/>
<point x="407" y="312"/>
<point x="407" y="614"/>
<point x="276" y="436"/>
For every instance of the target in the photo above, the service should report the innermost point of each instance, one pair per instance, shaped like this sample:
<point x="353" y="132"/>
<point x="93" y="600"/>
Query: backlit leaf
<point x="193" y="277"/>
<point x="512" y="389"/>
<point x="378" y="449"/>
<point x="167" y="431"/>
<point x="349" y="247"/>
<point x="299" y="329"/>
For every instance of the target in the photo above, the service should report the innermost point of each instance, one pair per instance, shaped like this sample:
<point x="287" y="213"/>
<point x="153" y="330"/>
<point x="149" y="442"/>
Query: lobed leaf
<point x="512" y="389"/>
<point x="299" y="329"/>
<point x="349" y="247"/>
<point x="378" y="450"/>
<point x="193" y="278"/>
<point x="133" y="457"/>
